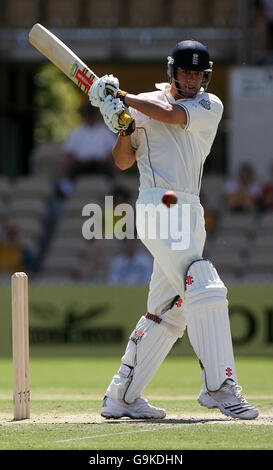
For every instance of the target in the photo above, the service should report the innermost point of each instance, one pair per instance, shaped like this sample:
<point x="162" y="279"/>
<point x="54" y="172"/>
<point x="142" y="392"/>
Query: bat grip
<point x="125" y="118"/>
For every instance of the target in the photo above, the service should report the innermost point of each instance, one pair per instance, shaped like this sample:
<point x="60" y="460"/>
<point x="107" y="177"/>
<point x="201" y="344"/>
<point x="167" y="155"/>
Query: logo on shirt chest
<point x="205" y="103"/>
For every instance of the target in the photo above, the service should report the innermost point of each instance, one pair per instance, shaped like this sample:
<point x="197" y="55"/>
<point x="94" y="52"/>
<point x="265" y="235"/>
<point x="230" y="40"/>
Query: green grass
<point x="66" y="396"/>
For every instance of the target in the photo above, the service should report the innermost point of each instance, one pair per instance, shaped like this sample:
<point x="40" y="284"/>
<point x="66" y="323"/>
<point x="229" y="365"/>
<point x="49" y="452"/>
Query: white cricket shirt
<point x="172" y="156"/>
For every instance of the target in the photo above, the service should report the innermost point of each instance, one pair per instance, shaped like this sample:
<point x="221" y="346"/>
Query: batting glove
<point x="108" y="84"/>
<point x="111" y="108"/>
<point x="94" y="94"/>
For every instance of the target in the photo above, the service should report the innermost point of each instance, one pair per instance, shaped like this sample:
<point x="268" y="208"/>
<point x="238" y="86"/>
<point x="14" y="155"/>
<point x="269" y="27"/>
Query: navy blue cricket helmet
<point x="190" y="55"/>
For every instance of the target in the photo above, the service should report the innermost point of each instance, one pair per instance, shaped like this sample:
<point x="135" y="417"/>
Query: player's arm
<point x="123" y="153"/>
<point x="159" y="110"/>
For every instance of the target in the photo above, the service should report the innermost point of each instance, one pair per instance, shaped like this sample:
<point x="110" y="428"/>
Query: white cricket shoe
<point x="229" y="401"/>
<point x="116" y="408"/>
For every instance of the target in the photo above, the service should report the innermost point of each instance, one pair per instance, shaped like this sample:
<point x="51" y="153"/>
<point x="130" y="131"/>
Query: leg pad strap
<point x="148" y="346"/>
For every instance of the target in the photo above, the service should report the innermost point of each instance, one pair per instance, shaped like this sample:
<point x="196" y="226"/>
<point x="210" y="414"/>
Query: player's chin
<point x="189" y="92"/>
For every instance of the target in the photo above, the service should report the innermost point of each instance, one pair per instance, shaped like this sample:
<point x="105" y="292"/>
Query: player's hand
<point x="111" y="108"/>
<point x="108" y="84"/>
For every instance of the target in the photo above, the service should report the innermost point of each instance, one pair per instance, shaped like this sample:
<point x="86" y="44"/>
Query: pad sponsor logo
<point x="136" y="336"/>
<point x="228" y="371"/>
<point x="179" y="302"/>
<point x="189" y="280"/>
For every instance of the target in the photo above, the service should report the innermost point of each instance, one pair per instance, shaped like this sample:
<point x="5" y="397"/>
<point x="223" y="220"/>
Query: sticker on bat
<point x="83" y="79"/>
<point x="82" y="76"/>
<point x="73" y="69"/>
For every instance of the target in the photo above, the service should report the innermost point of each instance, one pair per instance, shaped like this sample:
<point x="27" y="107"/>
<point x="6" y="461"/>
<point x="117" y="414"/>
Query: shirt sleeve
<point x="203" y="113"/>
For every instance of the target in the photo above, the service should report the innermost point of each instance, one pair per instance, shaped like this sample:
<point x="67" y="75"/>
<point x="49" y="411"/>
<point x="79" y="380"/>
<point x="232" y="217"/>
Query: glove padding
<point x="108" y="84"/>
<point x="111" y="108"/>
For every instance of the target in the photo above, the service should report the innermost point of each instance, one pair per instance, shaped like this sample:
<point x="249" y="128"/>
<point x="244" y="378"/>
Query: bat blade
<point x="66" y="60"/>
<point x="60" y="55"/>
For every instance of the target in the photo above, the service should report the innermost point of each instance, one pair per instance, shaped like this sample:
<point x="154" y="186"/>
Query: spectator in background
<point x="87" y="150"/>
<point x="266" y="202"/>
<point x="210" y="215"/>
<point x="120" y="196"/>
<point x="264" y="31"/>
<point x="94" y="263"/>
<point x="14" y="255"/>
<point x="243" y="194"/>
<point x="94" y="266"/>
<point x="131" y="266"/>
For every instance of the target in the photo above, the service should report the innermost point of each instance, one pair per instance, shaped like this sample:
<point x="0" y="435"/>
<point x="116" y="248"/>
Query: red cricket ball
<point x="168" y="198"/>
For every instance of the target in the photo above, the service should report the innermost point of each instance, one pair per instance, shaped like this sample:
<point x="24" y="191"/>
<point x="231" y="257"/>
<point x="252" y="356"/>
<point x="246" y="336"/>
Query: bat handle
<point x="125" y="118"/>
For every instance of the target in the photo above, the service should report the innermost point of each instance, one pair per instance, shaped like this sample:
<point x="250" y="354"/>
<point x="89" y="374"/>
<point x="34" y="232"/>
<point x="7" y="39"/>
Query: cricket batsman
<point x="175" y="127"/>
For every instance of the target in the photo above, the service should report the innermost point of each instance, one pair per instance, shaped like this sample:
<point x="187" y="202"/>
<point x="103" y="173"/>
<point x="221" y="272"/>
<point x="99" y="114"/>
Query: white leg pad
<point x="208" y="323"/>
<point x="148" y="346"/>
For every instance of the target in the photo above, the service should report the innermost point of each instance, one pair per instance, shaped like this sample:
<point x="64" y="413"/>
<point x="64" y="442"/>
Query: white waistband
<point x="158" y="193"/>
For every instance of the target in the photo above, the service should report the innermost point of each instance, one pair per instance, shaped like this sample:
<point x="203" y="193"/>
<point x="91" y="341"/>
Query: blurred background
<point x="55" y="154"/>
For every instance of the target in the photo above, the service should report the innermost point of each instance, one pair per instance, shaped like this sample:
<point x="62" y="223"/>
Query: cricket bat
<point x="66" y="60"/>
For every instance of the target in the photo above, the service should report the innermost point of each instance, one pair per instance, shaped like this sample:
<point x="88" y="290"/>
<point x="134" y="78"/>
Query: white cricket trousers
<point x="150" y="343"/>
<point x="173" y="248"/>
